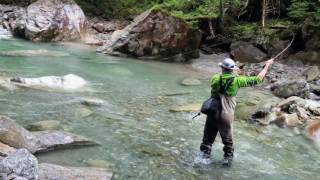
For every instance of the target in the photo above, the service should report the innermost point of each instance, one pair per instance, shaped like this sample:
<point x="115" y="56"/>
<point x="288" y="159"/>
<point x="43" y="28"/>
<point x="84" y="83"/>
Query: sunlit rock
<point x="67" y="82"/>
<point x="191" y="82"/>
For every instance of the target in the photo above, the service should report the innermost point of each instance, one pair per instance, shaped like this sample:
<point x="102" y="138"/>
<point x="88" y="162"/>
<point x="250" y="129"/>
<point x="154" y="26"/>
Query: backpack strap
<point x="224" y="88"/>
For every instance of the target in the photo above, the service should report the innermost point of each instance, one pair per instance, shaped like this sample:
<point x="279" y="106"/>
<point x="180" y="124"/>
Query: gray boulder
<point x="16" y="136"/>
<point x="155" y="33"/>
<point x="51" y="20"/>
<point x="19" y="165"/>
<point x="246" y="52"/>
<point x="55" y="172"/>
<point x="287" y="88"/>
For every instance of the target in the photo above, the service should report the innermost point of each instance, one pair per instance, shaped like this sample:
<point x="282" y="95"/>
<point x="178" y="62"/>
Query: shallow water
<point x="137" y="132"/>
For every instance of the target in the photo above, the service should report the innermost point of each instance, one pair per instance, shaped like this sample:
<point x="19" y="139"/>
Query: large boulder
<point x="19" y="165"/>
<point x="41" y="141"/>
<point x="246" y="52"/>
<point x="54" y="172"/>
<point x="157" y="34"/>
<point x="51" y="20"/>
<point x="287" y="88"/>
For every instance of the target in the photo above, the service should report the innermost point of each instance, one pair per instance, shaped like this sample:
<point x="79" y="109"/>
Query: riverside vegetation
<point x="52" y="88"/>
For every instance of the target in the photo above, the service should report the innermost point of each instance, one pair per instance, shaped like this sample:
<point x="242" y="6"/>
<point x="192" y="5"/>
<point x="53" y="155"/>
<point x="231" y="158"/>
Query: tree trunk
<point x="263" y="18"/>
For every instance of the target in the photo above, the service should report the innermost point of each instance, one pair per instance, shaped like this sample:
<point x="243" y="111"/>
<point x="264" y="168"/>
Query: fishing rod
<point x="285" y="49"/>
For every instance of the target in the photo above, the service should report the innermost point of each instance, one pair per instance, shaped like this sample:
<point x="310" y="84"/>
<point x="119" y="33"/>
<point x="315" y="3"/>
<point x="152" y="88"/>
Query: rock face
<point x="54" y="172"/>
<point x="51" y="20"/>
<point x="41" y="141"/>
<point x="19" y="165"/>
<point x="246" y="52"/>
<point x="157" y="34"/>
<point x="289" y="88"/>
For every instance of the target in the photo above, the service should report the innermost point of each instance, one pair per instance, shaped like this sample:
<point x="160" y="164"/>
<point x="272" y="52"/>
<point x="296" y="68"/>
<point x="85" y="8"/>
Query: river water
<point x="138" y="134"/>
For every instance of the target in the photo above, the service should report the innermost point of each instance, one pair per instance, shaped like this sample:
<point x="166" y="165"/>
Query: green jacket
<point x="238" y="82"/>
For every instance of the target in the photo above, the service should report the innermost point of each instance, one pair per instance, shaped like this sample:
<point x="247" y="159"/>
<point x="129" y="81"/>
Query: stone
<point x="312" y="73"/>
<point x="292" y="120"/>
<point x="187" y="108"/>
<point x="56" y="172"/>
<point x="155" y="33"/>
<point x="246" y="52"/>
<point x="20" y="164"/>
<point x="99" y="27"/>
<point x="83" y="112"/>
<point x="293" y="100"/>
<point x="44" y="125"/>
<point x="303" y="114"/>
<point x="5" y="150"/>
<point x="92" y="102"/>
<point x="287" y="88"/>
<point x="52" y="140"/>
<point x="191" y="82"/>
<point x="67" y="82"/>
<point x="313" y="130"/>
<point x="99" y="163"/>
<point x="52" y="20"/>
<point x="41" y="141"/>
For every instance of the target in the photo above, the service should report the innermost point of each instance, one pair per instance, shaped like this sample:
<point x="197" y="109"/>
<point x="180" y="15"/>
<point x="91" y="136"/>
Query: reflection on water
<point x="137" y="132"/>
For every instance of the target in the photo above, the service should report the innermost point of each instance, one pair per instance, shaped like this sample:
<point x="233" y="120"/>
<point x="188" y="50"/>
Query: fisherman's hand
<point x="269" y="62"/>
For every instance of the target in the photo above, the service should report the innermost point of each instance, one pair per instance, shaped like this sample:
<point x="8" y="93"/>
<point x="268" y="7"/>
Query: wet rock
<point x="187" y="108"/>
<point x="287" y="88"/>
<point x="92" y="102"/>
<point x="292" y="120"/>
<point x="52" y="20"/>
<point x="19" y="165"/>
<point x="313" y="130"/>
<point x="67" y="82"/>
<point x="44" y="125"/>
<point x="293" y="100"/>
<point x="157" y="34"/>
<point x="5" y="150"/>
<point x="312" y="73"/>
<point x="191" y="82"/>
<point x="99" y="163"/>
<point x="83" y="112"/>
<point x="18" y="137"/>
<point x="246" y="52"/>
<point x="55" y="172"/>
<point x="51" y="140"/>
<point x="33" y="53"/>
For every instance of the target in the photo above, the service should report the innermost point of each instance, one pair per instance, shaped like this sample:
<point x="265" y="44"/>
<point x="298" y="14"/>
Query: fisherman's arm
<point x="264" y="71"/>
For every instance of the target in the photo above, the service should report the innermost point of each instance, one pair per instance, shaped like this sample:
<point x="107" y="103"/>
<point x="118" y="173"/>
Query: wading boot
<point x="227" y="161"/>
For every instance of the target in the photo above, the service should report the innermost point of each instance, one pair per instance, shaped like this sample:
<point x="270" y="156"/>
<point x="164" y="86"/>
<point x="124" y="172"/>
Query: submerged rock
<point x="83" y="112"/>
<point x="67" y="82"/>
<point x="44" y="125"/>
<point x="16" y="136"/>
<point x="33" y="53"/>
<point x="92" y="102"/>
<point x="51" y="20"/>
<point x="99" y="163"/>
<point x="55" y="172"/>
<point x="191" y="82"/>
<point x="187" y="108"/>
<point x="19" y="165"/>
<point x="155" y="33"/>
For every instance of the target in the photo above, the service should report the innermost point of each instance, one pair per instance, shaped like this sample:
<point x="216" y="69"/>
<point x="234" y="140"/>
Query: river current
<point x="137" y="132"/>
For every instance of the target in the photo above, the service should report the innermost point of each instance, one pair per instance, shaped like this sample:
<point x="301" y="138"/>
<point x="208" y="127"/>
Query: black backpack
<point x="213" y="104"/>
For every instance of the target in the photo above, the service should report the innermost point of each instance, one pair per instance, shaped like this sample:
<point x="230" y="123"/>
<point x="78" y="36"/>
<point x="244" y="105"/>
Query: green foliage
<point x="307" y="11"/>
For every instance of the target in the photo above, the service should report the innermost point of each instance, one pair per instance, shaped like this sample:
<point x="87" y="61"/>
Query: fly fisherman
<point x="225" y="88"/>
